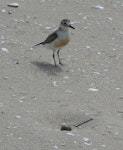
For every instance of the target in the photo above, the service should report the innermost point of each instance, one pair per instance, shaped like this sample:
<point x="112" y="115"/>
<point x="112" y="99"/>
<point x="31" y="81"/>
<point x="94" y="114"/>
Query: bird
<point x="58" y="39"/>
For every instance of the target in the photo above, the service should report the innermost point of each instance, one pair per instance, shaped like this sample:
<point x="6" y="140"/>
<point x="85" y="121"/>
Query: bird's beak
<point x="71" y="26"/>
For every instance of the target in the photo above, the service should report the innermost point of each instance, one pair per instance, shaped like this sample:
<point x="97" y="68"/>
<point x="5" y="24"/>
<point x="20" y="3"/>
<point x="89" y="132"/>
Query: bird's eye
<point x="64" y="22"/>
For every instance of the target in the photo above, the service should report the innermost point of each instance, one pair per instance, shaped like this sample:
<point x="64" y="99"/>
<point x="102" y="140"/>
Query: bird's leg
<point x="54" y="58"/>
<point x="59" y="57"/>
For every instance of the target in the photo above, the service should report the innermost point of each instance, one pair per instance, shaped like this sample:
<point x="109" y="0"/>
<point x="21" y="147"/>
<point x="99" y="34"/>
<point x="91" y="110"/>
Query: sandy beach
<point x="36" y="98"/>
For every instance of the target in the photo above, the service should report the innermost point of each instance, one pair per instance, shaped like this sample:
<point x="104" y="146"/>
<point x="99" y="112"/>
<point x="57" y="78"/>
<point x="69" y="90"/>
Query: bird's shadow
<point x="47" y="68"/>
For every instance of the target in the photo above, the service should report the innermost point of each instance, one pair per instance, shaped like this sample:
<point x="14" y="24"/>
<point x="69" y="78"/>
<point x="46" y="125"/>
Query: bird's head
<point x="65" y="23"/>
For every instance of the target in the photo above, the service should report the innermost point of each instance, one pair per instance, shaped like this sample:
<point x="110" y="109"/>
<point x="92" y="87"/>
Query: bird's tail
<point x="36" y="45"/>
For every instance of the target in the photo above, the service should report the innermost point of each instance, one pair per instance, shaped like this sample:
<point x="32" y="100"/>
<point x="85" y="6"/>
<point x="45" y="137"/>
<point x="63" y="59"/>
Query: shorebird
<point x="58" y="39"/>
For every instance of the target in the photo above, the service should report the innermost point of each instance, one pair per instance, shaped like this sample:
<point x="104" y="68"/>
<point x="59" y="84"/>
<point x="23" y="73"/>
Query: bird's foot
<point x="55" y="65"/>
<point x="61" y="63"/>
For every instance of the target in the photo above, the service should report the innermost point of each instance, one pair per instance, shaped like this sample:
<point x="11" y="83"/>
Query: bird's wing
<point x="50" y="38"/>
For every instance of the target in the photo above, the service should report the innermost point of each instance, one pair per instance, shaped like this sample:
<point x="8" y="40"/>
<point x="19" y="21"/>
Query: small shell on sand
<point x="98" y="7"/>
<point x="93" y="89"/>
<point x="13" y="4"/>
<point x="4" y="49"/>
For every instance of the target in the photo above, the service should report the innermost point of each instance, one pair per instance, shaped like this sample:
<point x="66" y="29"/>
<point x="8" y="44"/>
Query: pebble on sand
<point x="65" y="128"/>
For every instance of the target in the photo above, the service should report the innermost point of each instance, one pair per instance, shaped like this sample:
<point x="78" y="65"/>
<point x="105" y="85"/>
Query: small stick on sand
<point x="83" y="122"/>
